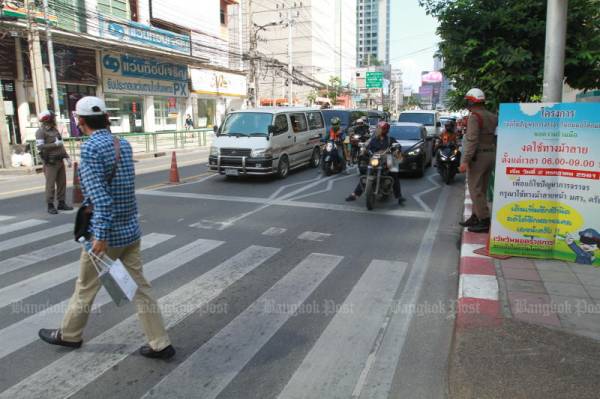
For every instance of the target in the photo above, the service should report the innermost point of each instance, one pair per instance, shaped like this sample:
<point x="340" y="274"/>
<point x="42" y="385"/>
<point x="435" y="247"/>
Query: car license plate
<point x="232" y="172"/>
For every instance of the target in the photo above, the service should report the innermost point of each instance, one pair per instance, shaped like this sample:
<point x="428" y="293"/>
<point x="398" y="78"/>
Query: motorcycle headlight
<point x="214" y="151"/>
<point x="414" y="152"/>
<point x="356" y="137"/>
<point x="443" y="157"/>
<point x="259" y="153"/>
<point x="375" y="162"/>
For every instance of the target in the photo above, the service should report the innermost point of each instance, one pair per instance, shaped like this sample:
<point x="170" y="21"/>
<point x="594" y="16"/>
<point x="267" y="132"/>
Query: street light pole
<point x="290" y="65"/>
<point x="554" y="59"/>
<point x="4" y="134"/>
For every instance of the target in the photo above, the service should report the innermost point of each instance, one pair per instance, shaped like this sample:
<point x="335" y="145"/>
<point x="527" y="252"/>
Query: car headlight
<point x="414" y="152"/>
<point x="214" y="151"/>
<point x="375" y="162"/>
<point x="259" y="153"/>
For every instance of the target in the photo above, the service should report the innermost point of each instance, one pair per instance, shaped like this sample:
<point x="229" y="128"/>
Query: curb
<point x="478" y="298"/>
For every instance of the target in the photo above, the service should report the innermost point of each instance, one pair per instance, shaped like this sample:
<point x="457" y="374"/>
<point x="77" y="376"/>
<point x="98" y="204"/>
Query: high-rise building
<point x="373" y="31"/>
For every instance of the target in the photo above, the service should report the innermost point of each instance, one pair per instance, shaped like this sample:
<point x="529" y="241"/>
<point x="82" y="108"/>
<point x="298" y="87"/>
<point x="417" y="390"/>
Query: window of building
<point x="114" y="8"/>
<point x="165" y="113"/>
<point x="223" y="12"/>
<point x="206" y="112"/>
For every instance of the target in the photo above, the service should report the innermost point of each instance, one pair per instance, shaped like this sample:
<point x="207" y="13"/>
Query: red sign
<point x="581" y="174"/>
<point x="134" y="107"/>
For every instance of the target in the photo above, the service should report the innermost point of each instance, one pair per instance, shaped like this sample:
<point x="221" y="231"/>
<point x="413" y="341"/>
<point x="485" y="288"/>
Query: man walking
<point x="478" y="158"/>
<point x="107" y="180"/>
<point x="52" y="151"/>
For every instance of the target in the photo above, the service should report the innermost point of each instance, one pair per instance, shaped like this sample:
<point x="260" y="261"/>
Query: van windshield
<point x="247" y="124"/>
<point x="415" y="117"/>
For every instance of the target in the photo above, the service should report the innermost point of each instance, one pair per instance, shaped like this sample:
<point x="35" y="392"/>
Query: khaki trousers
<point x="56" y="182"/>
<point x="478" y="180"/>
<point x="87" y="287"/>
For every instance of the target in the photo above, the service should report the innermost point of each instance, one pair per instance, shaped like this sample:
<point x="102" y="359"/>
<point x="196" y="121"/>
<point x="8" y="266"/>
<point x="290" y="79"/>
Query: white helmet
<point x="475" y="95"/>
<point x="89" y="106"/>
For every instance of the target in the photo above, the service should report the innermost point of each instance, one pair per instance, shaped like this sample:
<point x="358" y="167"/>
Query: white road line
<point x="323" y="191"/>
<point x="418" y="195"/>
<point x="469" y="250"/>
<point x="44" y="281"/>
<point x="111" y="347"/>
<point x="22" y="261"/>
<point x="23" y="332"/>
<point x="274" y="231"/>
<point x="5" y="217"/>
<point x="289" y="203"/>
<point x="335" y="362"/>
<point x="380" y="372"/>
<point x="208" y="370"/>
<point x="36" y="236"/>
<point x="313" y="236"/>
<point x="9" y="228"/>
<point x="286" y="186"/>
<point x="478" y="286"/>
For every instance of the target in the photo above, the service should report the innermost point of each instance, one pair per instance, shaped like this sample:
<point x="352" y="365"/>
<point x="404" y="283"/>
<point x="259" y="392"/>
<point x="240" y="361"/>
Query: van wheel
<point x="283" y="168"/>
<point x="315" y="160"/>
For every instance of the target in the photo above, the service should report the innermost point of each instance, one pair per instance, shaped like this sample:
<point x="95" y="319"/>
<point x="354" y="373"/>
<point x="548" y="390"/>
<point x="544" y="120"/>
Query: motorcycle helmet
<point x="46" y="117"/>
<point x="384" y="127"/>
<point x="450" y="126"/>
<point x="475" y="95"/>
<point x="335" y="121"/>
<point x="360" y="121"/>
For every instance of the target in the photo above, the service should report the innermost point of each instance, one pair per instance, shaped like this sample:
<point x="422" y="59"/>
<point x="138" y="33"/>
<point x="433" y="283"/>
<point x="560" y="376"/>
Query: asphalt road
<point x="270" y="289"/>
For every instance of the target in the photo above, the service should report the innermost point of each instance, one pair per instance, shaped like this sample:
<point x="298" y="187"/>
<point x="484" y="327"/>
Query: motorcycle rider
<point x="362" y="130"/>
<point x="449" y="135"/>
<point x="337" y="136"/>
<point x="381" y="142"/>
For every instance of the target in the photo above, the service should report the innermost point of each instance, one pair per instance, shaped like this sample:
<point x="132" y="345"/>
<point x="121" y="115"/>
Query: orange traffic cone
<point x="77" y="194"/>
<point x="174" y="175"/>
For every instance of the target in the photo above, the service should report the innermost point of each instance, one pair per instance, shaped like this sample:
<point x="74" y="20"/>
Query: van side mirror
<point x="272" y="129"/>
<point x="216" y="129"/>
<point x="439" y="124"/>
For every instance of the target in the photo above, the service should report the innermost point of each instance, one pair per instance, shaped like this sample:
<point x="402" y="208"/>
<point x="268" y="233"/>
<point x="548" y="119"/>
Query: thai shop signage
<point x="17" y="9"/>
<point x="547" y="184"/>
<point x="218" y="83"/>
<point x="136" y="33"/>
<point x="143" y="76"/>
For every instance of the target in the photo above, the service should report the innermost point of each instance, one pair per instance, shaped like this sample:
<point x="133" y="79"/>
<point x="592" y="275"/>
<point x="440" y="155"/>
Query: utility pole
<point x="368" y="89"/>
<point x="252" y="75"/>
<point x="35" y="57"/>
<point x="554" y="59"/>
<point x="290" y="59"/>
<point x="51" y="60"/>
<point x="4" y="134"/>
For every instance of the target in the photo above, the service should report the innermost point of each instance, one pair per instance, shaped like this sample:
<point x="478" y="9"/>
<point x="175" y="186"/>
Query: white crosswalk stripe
<point x="333" y="366"/>
<point x="5" y="217"/>
<point x="208" y="371"/>
<point x="22" y="261"/>
<point x="57" y="379"/>
<point x="25" y="224"/>
<point x="23" y="332"/>
<point x="336" y="365"/>
<point x="41" y="282"/>
<point x="35" y="236"/>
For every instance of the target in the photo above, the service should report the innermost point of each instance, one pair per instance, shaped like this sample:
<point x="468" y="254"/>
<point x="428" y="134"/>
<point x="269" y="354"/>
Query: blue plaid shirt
<point x="115" y="209"/>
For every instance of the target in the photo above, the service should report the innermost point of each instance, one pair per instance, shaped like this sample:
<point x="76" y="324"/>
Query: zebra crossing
<point x="333" y="367"/>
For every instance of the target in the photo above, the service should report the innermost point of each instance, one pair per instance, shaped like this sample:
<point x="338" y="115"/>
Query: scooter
<point x="331" y="162"/>
<point x="447" y="160"/>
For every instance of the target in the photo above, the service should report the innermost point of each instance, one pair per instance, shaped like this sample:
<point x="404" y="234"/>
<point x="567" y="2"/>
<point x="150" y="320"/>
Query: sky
<point x="412" y="41"/>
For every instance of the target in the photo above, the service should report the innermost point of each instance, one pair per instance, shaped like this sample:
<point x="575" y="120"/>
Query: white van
<point x="265" y="141"/>
<point x="429" y="119"/>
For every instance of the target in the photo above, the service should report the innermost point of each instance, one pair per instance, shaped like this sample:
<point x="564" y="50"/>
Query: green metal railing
<point x="147" y="142"/>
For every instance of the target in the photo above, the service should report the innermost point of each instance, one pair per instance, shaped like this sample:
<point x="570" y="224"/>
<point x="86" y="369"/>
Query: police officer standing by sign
<point x="478" y="158"/>
<point x="52" y="151"/>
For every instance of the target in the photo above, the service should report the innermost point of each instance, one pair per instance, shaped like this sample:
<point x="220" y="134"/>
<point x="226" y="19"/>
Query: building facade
<point x="152" y="64"/>
<point x="322" y="37"/>
<point x="373" y="32"/>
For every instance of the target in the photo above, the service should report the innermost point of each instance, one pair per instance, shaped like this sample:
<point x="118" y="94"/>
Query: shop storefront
<point x="216" y="93"/>
<point x="8" y="74"/>
<point x="144" y="94"/>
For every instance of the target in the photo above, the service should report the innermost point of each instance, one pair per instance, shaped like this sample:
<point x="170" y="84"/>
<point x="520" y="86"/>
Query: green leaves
<point x="498" y="46"/>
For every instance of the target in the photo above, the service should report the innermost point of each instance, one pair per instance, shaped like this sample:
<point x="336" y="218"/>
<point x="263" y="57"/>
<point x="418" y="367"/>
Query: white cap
<point x="45" y="115"/>
<point x="475" y="95"/>
<point x="89" y="106"/>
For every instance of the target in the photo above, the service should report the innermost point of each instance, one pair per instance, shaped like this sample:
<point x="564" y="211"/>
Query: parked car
<point x="267" y="141"/>
<point x="416" y="146"/>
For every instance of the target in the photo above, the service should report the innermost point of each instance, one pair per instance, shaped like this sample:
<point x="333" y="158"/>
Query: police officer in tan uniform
<point x="52" y="151"/>
<point x="479" y="155"/>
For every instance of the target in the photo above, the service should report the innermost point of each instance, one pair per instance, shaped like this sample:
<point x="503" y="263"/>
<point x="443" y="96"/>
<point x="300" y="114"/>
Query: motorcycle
<point x="355" y="146"/>
<point x="331" y="162"/>
<point x="378" y="182"/>
<point x="447" y="162"/>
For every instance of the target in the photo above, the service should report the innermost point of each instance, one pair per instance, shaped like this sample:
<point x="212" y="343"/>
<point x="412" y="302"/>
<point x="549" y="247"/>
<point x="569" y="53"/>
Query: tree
<point x="498" y="46"/>
<point x="312" y="97"/>
<point x="334" y="88"/>
<point x="414" y="101"/>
